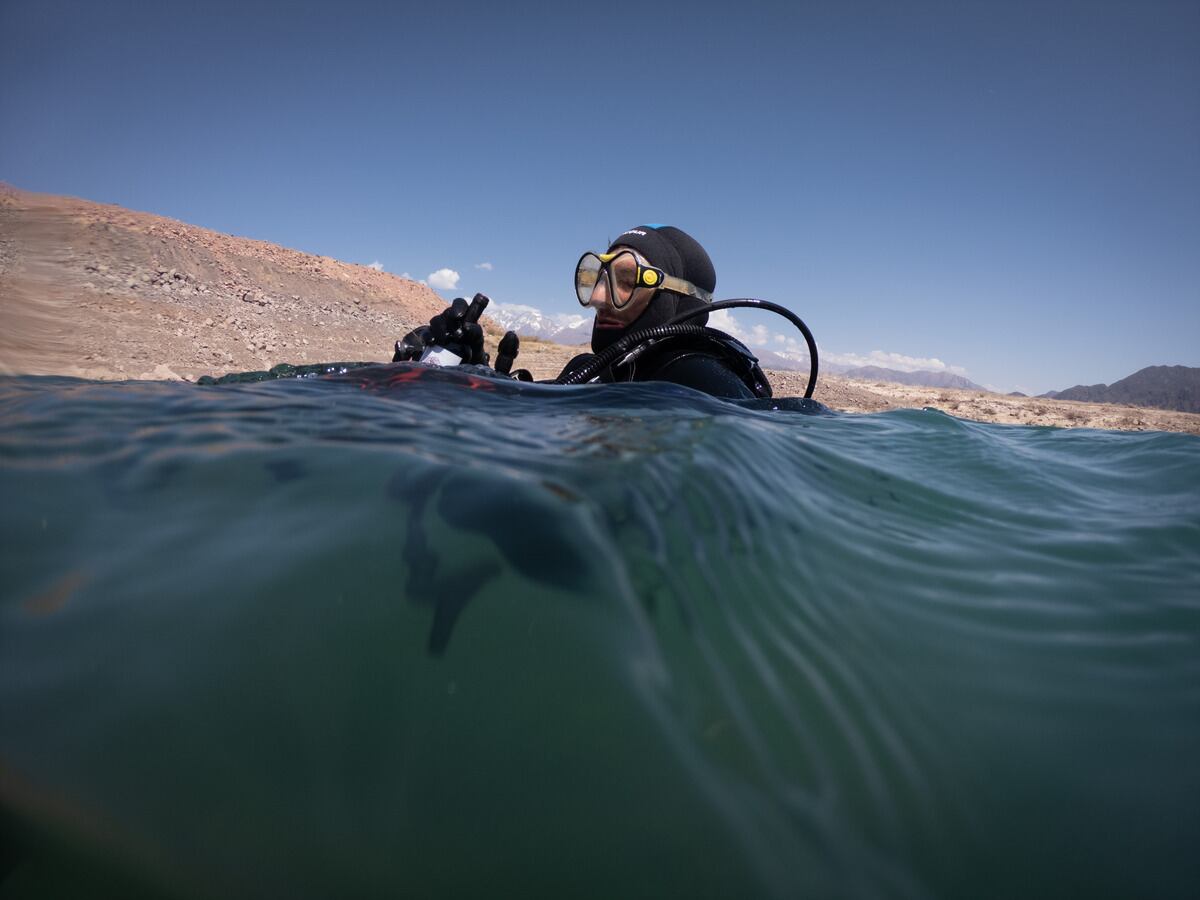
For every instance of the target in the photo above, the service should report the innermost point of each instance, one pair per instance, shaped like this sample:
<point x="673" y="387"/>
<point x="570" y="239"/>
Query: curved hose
<point x="775" y="308"/>
<point x="610" y="355"/>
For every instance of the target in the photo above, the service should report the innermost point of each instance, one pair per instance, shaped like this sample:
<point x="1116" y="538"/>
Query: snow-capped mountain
<point x="772" y="359"/>
<point x="562" y="328"/>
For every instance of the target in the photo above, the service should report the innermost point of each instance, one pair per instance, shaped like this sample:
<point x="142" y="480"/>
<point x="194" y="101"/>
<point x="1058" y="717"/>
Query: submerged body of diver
<point x="649" y="276"/>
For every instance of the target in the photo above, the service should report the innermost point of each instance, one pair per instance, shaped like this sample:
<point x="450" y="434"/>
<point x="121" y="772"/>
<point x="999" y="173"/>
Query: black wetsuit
<point x="715" y="364"/>
<point x="707" y="374"/>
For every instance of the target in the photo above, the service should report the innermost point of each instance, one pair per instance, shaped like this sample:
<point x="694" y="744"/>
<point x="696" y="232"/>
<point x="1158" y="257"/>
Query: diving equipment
<point x="623" y="356"/>
<point x="452" y="337"/>
<point x="623" y="273"/>
<point x="506" y="353"/>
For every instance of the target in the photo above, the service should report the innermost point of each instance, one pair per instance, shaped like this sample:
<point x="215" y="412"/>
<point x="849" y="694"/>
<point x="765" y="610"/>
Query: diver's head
<point x="648" y="275"/>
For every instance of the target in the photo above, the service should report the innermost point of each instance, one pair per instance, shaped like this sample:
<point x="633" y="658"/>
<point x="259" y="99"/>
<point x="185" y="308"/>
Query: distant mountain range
<point x="562" y="328"/>
<point x="770" y="359"/>
<point x="920" y="378"/>
<point x="1162" y="387"/>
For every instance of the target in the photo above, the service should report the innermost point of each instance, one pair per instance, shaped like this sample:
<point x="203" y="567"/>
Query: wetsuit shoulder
<point x="705" y="373"/>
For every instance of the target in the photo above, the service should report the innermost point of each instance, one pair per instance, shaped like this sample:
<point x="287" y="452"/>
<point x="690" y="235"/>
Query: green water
<point x="376" y="637"/>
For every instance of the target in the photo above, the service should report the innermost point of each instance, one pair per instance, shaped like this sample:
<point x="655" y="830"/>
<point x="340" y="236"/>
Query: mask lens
<point x="586" y="275"/>
<point x="624" y="279"/>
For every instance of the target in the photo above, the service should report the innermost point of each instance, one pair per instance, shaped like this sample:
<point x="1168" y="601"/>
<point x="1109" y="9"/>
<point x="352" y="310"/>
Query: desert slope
<point x="103" y="292"/>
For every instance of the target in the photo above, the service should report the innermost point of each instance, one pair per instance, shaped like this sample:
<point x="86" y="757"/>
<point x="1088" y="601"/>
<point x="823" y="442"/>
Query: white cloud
<point x="443" y="279"/>
<point x="377" y="266"/>
<point x="724" y="320"/>
<point x="486" y="266"/>
<point x="757" y="336"/>
<point x="406" y="275"/>
<point x="898" y="361"/>
<point x="761" y="338"/>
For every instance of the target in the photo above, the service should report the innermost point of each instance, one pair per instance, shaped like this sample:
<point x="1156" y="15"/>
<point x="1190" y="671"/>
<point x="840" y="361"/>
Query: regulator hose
<point x="605" y="359"/>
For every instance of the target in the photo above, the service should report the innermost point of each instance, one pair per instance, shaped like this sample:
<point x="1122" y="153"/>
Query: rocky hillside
<point x="1161" y="387"/>
<point x="104" y="292"/>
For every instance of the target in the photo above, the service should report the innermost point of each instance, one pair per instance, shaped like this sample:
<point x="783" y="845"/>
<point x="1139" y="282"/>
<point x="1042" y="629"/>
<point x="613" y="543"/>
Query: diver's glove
<point x="506" y="353"/>
<point x="452" y="337"/>
<point x="412" y="345"/>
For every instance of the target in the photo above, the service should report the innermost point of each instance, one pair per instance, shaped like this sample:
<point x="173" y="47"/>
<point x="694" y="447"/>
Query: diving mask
<point x="624" y="273"/>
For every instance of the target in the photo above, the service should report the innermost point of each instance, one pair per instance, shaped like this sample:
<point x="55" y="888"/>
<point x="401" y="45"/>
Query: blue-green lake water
<point x="381" y="635"/>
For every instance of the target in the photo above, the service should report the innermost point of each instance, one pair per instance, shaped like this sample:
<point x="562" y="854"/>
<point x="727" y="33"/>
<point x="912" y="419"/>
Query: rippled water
<point x="388" y="635"/>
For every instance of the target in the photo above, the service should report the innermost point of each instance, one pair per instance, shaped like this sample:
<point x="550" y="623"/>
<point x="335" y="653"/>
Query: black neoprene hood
<point x="674" y="251"/>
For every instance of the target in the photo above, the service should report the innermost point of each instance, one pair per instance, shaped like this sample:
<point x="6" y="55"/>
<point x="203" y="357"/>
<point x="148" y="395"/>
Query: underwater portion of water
<point x="386" y="635"/>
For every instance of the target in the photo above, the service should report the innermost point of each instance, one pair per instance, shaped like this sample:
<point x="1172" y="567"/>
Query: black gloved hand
<point x="506" y="353"/>
<point x="412" y="345"/>
<point x="455" y="329"/>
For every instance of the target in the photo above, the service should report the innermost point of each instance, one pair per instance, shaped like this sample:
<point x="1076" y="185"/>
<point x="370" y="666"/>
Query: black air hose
<point x="608" y="356"/>
<point x="673" y="327"/>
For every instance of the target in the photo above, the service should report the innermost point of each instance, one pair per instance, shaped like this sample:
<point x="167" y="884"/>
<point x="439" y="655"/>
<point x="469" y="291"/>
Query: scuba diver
<point x="650" y="282"/>
<point x="647" y="278"/>
<point x="652" y="292"/>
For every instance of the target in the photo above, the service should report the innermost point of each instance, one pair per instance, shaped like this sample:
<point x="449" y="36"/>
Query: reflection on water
<point x="384" y="634"/>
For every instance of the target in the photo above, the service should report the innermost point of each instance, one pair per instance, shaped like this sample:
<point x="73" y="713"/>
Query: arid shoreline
<point x="102" y="292"/>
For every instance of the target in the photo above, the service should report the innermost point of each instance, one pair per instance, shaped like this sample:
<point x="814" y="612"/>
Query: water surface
<point x="395" y="635"/>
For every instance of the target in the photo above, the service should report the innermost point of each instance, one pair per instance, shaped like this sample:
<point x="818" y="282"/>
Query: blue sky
<point x="1012" y="189"/>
